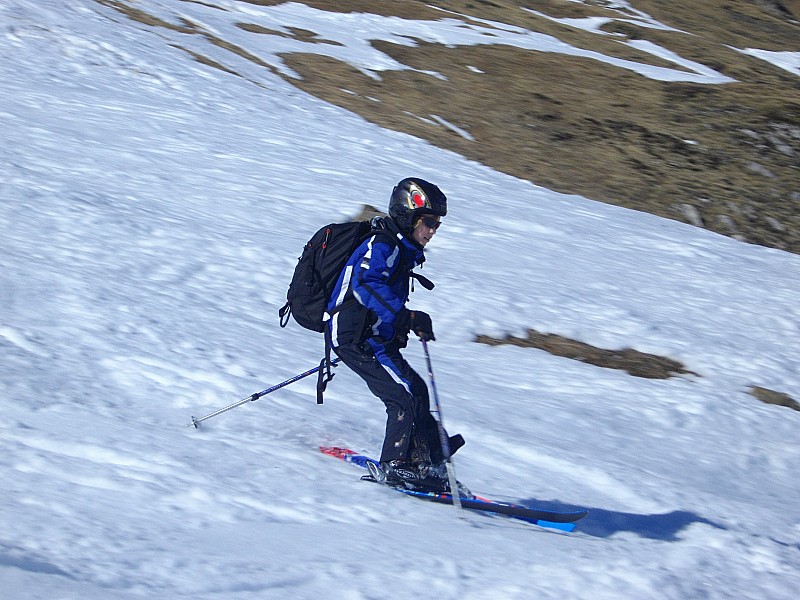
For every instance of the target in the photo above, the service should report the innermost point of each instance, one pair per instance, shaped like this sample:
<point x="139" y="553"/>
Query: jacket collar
<point x="411" y="248"/>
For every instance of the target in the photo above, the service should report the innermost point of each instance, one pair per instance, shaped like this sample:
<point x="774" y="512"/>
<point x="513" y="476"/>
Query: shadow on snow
<point x="21" y="559"/>
<point x="603" y="523"/>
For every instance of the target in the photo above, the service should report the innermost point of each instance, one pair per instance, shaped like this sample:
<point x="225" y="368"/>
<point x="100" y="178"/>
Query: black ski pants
<point x="411" y="431"/>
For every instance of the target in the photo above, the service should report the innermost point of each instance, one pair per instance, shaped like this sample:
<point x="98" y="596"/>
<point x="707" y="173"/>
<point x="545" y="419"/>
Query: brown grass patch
<point x="723" y="157"/>
<point x="639" y="364"/>
<point x="777" y="398"/>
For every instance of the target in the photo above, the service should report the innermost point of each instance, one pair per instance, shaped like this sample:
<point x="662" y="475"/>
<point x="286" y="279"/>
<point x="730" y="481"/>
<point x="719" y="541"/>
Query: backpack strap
<point x="284" y="314"/>
<point x="325" y="374"/>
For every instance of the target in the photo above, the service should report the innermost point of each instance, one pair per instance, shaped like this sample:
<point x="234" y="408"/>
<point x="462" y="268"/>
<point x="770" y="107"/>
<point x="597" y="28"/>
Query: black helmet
<point x="413" y="197"/>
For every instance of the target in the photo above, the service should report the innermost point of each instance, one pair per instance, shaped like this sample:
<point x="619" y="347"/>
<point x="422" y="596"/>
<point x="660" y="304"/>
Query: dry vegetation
<point x="777" y="398"/>
<point x="639" y="364"/>
<point x="723" y="157"/>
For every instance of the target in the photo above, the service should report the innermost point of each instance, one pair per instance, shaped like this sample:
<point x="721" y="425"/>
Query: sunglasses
<point x="431" y="222"/>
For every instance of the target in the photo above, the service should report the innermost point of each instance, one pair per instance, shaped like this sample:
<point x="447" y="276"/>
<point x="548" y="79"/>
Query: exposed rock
<point x="368" y="212"/>
<point x="775" y="224"/>
<point x="727" y="223"/>
<point x="692" y="215"/>
<point x="759" y="169"/>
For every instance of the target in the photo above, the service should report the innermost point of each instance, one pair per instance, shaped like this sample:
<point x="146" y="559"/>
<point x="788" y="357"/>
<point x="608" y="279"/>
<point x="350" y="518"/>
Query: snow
<point x="348" y="37"/>
<point x="595" y="24"/>
<point x="788" y="61"/>
<point x="153" y="209"/>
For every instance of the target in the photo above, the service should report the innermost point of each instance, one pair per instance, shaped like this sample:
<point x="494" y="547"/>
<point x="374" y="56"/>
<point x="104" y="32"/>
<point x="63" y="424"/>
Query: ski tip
<point x="554" y="525"/>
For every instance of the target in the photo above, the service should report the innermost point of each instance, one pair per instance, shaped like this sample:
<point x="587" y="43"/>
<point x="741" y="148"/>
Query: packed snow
<point x="153" y="209"/>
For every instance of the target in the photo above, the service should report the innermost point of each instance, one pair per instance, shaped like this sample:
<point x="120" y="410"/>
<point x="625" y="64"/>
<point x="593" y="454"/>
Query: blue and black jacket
<point x="373" y="287"/>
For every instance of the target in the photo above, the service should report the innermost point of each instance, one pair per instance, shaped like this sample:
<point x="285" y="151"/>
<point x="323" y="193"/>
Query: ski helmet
<point x="413" y="197"/>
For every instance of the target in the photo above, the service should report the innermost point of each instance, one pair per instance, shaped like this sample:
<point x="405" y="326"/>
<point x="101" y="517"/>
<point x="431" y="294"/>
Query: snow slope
<point x="152" y="211"/>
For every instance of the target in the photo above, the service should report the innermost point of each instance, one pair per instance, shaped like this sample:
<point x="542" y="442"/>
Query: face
<point x="425" y="229"/>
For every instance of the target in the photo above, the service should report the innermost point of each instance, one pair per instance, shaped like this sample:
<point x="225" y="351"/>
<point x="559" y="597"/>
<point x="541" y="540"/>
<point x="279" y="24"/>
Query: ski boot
<point x="418" y="477"/>
<point x="408" y="475"/>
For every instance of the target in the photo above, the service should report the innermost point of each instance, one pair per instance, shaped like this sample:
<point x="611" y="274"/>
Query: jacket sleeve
<point x="371" y="285"/>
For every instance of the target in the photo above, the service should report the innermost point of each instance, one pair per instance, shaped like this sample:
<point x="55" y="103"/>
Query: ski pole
<point x="257" y="395"/>
<point x="437" y="415"/>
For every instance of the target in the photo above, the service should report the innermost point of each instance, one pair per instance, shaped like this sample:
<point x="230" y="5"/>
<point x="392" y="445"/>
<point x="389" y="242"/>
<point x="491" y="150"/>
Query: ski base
<point x="561" y="520"/>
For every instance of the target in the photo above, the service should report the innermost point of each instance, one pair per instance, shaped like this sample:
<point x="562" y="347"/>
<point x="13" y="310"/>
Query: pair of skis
<point x="561" y="520"/>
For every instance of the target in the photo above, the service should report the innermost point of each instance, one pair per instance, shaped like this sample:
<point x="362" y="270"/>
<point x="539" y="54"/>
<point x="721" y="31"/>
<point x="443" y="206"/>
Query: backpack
<point x="322" y="261"/>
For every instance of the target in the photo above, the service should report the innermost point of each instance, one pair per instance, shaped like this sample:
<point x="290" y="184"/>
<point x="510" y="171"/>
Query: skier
<point x="369" y="324"/>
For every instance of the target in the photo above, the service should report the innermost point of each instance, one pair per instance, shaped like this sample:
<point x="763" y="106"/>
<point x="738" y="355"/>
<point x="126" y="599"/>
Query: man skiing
<point x="369" y="324"/>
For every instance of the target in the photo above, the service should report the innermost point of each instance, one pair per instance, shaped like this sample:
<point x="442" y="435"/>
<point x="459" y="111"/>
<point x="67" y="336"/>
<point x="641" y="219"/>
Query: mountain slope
<point x="153" y="208"/>
<point x="687" y="111"/>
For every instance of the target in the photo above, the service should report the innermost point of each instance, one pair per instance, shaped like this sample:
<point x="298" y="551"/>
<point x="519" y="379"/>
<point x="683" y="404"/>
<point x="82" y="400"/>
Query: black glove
<point x="413" y="320"/>
<point x="401" y="339"/>
<point x="402" y="325"/>
<point x="420" y="323"/>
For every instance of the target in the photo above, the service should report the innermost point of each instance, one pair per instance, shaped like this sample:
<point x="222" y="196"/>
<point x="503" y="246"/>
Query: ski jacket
<point x="373" y="287"/>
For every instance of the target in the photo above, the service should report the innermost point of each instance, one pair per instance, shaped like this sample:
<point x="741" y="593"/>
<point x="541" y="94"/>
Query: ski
<point x="562" y="520"/>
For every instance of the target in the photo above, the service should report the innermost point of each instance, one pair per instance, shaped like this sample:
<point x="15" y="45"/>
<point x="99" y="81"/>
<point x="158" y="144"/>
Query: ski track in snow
<point x="153" y="210"/>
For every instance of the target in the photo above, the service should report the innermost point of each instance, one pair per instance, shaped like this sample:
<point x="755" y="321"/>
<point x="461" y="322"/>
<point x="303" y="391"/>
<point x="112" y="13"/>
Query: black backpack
<point x="322" y="261"/>
<point x="317" y="271"/>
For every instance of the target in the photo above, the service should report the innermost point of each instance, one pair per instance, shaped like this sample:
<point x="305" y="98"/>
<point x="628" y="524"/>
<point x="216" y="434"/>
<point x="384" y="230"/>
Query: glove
<point x="402" y="340"/>
<point x="413" y="320"/>
<point x="420" y="323"/>
<point x="402" y="325"/>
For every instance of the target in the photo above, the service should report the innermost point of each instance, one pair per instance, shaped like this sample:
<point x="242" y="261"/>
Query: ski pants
<point x="411" y="431"/>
